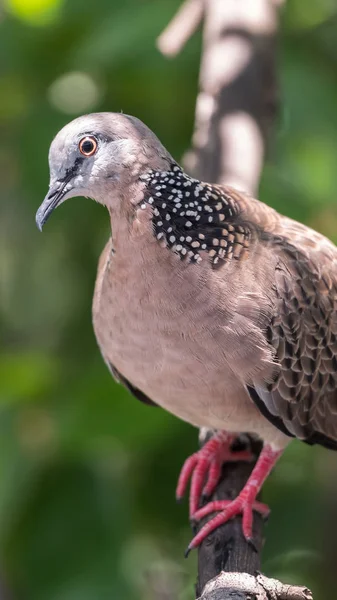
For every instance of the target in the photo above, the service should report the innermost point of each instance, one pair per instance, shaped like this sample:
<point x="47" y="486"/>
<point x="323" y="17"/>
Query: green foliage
<point x="88" y="474"/>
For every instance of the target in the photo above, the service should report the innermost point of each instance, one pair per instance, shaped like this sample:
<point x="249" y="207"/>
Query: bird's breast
<point x="163" y="327"/>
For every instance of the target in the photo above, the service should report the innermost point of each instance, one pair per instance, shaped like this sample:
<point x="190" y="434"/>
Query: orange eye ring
<point x="88" y="145"/>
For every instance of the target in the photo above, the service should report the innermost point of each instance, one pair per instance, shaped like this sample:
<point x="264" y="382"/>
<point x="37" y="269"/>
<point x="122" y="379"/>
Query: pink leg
<point x="244" y="504"/>
<point x="206" y="465"/>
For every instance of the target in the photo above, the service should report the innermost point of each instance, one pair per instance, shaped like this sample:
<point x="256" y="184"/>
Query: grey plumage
<point x="207" y="302"/>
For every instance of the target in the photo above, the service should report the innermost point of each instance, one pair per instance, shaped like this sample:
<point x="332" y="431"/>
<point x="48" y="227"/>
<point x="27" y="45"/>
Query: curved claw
<point x="243" y="505"/>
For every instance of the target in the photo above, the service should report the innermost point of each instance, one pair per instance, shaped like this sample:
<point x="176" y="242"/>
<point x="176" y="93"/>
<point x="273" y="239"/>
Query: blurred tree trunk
<point x="235" y="111"/>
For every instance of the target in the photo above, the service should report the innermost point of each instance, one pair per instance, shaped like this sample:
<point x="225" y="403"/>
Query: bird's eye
<point x="88" y="145"/>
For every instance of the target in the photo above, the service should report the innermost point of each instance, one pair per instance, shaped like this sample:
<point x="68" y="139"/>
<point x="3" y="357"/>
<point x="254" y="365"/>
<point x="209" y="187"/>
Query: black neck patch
<point x="192" y="217"/>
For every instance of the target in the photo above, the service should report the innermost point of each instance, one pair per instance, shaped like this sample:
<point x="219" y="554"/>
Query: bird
<point x="207" y="302"/>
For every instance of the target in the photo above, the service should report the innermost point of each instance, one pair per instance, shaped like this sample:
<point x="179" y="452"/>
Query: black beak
<point x="51" y="201"/>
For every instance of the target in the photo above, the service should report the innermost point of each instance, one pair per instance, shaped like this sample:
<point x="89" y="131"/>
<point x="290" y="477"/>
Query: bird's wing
<point x="134" y="391"/>
<point x="302" y="398"/>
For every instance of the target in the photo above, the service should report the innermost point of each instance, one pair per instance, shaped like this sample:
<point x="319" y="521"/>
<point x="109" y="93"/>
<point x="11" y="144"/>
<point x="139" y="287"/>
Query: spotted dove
<point x="207" y="303"/>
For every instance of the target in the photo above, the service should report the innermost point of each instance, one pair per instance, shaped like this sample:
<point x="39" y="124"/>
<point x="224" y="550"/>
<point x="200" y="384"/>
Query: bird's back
<point x="302" y="398"/>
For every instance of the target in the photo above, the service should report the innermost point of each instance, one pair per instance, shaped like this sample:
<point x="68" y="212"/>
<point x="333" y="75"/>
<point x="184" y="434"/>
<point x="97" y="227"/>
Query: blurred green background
<point x="87" y="473"/>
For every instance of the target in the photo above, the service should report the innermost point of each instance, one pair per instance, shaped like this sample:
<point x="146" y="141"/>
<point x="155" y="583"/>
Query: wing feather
<point x="302" y="398"/>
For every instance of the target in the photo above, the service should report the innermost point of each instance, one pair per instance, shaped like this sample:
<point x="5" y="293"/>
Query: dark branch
<point x="235" y="111"/>
<point x="226" y="549"/>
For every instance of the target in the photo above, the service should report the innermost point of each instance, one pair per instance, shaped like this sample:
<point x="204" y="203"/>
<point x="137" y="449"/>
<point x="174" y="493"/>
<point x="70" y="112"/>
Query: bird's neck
<point x="131" y="226"/>
<point x="194" y="220"/>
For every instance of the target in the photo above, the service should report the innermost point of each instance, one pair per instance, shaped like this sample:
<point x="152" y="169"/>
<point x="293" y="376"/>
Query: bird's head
<point x="100" y="156"/>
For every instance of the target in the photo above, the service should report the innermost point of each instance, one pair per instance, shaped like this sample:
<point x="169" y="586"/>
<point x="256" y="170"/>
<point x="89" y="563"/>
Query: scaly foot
<point x="244" y="504"/>
<point x="204" y="468"/>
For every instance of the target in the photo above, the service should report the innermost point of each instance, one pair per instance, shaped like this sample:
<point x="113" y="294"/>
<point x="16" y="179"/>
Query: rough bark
<point x="241" y="586"/>
<point x="235" y="110"/>
<point x="226" y="549"/>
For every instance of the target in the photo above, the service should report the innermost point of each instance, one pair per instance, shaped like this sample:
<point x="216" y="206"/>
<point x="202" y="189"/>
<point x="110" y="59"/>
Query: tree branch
<point x="226" y="549"/>
<point x="236" y="586"/>
<point x="237" y="101"/>
<point x="182" y="26"/>
<point x="235" y="110"/>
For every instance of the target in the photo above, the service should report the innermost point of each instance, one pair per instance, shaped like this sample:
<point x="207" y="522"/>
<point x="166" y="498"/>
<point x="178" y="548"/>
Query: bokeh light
<point x="35" y="12"/>
<point x="74" y="93"/>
